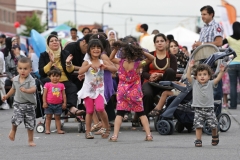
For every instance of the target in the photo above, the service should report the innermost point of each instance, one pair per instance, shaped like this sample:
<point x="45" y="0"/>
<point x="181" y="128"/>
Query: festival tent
<point x="184" y="37"/>
<point x="63" y="31"/>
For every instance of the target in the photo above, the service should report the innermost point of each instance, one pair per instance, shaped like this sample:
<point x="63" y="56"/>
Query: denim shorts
<point x="53" y="109"/>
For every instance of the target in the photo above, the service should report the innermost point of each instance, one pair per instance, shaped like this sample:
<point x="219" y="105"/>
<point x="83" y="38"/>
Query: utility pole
<point x="75" y="14"/>
<point x="47" y="14"/>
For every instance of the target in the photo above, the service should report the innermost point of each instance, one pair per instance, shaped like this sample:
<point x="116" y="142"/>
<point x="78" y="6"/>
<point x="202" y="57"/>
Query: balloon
<point x="38" y="42"/>
<point x="16" y="24"/>
<point x="138" y="27"/>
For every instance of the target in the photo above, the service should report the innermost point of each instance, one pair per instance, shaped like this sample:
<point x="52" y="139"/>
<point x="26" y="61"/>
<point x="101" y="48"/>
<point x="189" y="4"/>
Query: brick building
<point x="22" y="15"/>
<point x="7" y="16"/>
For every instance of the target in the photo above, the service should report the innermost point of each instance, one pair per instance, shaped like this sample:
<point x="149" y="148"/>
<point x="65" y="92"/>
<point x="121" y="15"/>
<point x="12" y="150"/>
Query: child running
<point x="54" y="99"/>
<point x="93" y="87"/>
<point x="203" y="100"/>
<point x="24" y="100"/>
<point x="129" y="93"/>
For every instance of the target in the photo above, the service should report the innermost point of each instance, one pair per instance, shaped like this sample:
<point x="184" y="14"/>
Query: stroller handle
<point x="173" y="84"/>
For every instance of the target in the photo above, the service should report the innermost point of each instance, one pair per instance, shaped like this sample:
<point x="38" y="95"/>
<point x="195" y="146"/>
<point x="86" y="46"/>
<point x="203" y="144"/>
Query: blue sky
<point x="188" y="10"/>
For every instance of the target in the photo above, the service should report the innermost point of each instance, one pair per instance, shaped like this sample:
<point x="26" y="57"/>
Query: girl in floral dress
<point x="93" y="87"/>
<point x="226" y="89"/>
<point x="129" y="93"/>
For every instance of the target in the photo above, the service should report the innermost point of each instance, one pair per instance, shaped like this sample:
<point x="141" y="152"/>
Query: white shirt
<point x="35" y="60"/>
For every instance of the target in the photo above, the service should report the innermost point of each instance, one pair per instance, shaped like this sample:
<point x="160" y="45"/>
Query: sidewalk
<point x="234" y="114"/>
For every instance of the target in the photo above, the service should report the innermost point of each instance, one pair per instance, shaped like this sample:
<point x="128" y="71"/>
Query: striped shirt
<point x="210" y="31"/>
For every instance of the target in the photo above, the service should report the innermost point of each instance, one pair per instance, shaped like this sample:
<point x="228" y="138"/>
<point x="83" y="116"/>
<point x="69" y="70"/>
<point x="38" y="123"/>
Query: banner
<point x="225" y="21"/>
<point x="52" y="14"/>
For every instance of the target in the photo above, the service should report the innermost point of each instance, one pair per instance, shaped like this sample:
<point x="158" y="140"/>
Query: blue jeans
<point x="234" y="77"/>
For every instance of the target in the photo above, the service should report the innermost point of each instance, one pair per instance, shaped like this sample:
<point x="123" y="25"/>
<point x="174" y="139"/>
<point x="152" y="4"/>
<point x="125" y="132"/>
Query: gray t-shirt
<point x="20" y="96"/>
<point x="203" y="94"/>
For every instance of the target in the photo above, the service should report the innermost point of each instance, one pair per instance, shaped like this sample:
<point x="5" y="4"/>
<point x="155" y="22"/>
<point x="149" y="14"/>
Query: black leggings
<point x="122" y="113"/>
<point x="149" y="92"/>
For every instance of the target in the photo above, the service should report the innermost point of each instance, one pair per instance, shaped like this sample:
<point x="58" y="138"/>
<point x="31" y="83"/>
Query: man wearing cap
<point x="2" y="41"/>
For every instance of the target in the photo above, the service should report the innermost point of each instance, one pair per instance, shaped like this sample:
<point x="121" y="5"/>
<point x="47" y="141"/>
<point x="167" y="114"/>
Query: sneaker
<point x="5" y="106"/>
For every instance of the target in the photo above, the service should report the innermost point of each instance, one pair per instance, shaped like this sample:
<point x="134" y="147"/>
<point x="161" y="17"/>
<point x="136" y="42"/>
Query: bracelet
<point x="68" y="65"/>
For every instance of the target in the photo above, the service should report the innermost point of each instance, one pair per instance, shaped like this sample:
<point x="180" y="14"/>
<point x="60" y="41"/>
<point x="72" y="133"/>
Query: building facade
<point x="7" y="16"/>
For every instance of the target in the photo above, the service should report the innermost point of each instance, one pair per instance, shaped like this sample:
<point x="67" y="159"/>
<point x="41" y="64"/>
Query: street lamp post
<point x="130" y="18"/>
<point x="109" y="4"/>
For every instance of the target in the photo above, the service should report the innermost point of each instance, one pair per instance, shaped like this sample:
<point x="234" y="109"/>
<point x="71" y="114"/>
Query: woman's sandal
<point x="89" y="135"/>
<point x="96" y="127"/>
<point x="79" y="112"/>
<point x="214" y="141"/>
<point x="113" y="139"/>
<point x="105" y="133"/>
<point x="198" y="143"/>
<point x="155" y="113"/>
<point x="149" y="138"/>
<point x="99" y="132"/>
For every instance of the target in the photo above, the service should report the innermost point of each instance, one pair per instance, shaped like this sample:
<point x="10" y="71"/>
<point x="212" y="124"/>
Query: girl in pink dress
<point x="129" y="93"/>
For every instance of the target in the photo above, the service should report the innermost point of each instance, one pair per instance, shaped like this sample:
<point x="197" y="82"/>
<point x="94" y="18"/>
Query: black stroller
<point x="179" y="107"/>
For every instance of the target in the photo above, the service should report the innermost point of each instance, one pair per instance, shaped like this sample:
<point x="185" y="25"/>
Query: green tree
<point x="70" y="24"/>
<point x="33" y="23"/>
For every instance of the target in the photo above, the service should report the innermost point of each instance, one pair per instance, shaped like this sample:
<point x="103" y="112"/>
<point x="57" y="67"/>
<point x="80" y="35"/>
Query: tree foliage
<point x="33" y="23"/>
<point x="70" y="24"/>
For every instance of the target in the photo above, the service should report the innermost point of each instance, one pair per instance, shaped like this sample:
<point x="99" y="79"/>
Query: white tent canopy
<point x="184" y="37"/>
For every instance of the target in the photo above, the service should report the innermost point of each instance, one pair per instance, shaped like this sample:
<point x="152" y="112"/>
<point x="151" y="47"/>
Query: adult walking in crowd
<point x="211" y="33"/>
<point x="163" y="68"/>
<point x="234" y="67"/>
<point x="54" y="56"/>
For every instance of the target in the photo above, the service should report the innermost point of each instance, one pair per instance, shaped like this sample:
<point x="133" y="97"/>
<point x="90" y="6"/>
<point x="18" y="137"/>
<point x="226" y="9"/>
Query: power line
<point x="110" y="13"/>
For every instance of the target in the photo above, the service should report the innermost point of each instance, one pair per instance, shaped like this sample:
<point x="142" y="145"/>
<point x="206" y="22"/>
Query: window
<point x="13" y="17"/>
<point x="9" y="17"/>
<point x="4" y="15"/>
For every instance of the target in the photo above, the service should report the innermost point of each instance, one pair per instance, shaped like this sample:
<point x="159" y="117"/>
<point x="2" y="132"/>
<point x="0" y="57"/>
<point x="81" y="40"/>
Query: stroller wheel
<point x="79" y="128"/>
<point x="83" y="128"/>
<point x="163" y="127"/>
<point x="171" y="127"/>
<point x="224" y="122"/>
<point x="40" y="128"/>
<point x="179" y="127"/>
<point x="155" y="122"/>
<point x="207" y="129"/>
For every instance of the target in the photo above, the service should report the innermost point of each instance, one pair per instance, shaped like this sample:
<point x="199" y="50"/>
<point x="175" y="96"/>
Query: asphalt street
<point x="130" y="145"/>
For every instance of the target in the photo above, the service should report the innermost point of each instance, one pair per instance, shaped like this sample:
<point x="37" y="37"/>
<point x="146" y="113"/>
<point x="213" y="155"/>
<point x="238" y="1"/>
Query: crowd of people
<point x="105" y="73"/>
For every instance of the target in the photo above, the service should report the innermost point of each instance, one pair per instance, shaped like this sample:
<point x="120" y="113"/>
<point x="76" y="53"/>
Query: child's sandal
<point x="149" y="138"/>
<point x="89" y="135"/>
<point x="113" y="139"/>
<point x="105" y="133"/>
<point x="214" y="141"/>
<point x="99" y="132"/>
<point x="198" y="143"/>
<point x="96" y="127"/>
